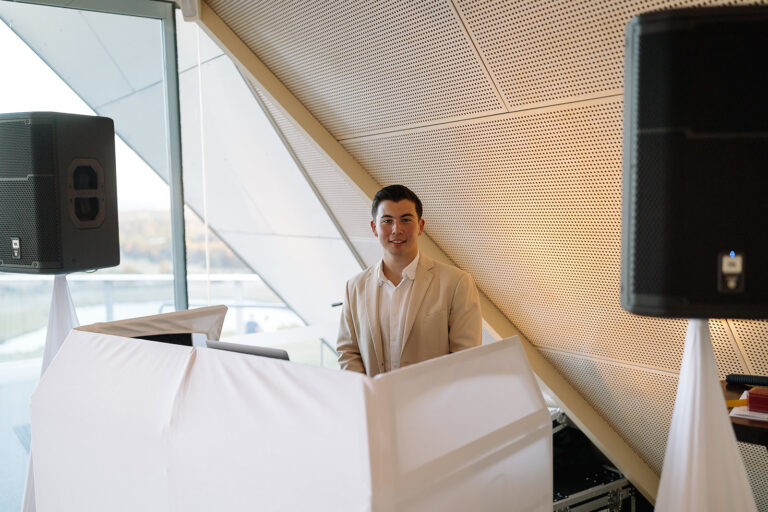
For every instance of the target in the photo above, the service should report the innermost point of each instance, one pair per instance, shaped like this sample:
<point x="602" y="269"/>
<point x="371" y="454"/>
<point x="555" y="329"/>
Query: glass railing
<point x="98" y="297"/>
<point x="103" y="297"/>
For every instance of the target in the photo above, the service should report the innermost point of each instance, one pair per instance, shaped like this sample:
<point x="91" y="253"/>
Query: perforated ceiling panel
<point x="640" y="402"/>
<point x="756" y="460"/>
<point x="729" y="356"/>
<point x="548" y="52"/>
<point x="637" y="401"/>
<point x="753" y="337"/>
<point x="363" y="66"/>
<point x="530" y="205"/>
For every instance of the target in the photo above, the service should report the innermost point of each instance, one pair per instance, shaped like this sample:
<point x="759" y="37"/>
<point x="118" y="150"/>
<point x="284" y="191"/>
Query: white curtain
<point x="62" y="318"/>
<point x="703" y="469"/>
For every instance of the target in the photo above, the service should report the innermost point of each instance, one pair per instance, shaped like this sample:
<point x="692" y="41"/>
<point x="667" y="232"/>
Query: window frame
<point x="165" y="12"/>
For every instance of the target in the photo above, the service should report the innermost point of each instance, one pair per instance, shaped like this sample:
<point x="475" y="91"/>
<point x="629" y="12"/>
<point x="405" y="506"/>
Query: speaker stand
<point x="703" y="468"/>
<point x="62" y="318"/>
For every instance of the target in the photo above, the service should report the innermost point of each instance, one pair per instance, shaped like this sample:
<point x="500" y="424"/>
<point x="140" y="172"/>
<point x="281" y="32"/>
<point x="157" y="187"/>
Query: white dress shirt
<point x="393" y="303"/>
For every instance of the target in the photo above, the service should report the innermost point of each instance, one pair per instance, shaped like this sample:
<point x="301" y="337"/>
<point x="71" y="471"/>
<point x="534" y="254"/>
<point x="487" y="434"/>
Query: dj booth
<point x="129" y="424"/>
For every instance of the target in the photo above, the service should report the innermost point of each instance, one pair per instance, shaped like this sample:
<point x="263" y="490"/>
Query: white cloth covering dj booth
<point x="128" y="424"/>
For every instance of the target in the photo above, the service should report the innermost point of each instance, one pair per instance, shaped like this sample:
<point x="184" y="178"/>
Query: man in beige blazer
<point x="406" y="308"/>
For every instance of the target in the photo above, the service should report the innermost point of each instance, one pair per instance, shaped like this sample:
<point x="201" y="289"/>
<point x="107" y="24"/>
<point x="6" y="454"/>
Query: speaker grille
<point x="25" y="149"/>
<point x="650" y="272"/>
<point x="29" y="211"/>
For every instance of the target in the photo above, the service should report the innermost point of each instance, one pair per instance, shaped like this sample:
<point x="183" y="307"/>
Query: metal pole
<point x="175" y="182"/>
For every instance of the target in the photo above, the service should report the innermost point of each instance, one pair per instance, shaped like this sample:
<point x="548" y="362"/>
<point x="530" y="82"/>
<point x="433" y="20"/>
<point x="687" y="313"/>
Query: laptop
<point x="275" y="353"/>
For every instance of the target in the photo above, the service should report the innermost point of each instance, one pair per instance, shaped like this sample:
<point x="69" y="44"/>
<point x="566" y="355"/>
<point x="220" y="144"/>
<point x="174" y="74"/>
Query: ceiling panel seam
<point x="615" y="362"/>
<point x="125" y="96"/>
<point x="532" y="109"/>
<point x="278" y="235"/>
<point x="107" y="52"/>
<point x="570" y="100"/>
<point x="729" y="328"/>
<point x="479" y="55"/>
<point x="415" y="126"/>
<point x="413" y="56"/>
<point x="193" y="67"/>
<point x="515" y="114"/>
<point x="737" y="349"/>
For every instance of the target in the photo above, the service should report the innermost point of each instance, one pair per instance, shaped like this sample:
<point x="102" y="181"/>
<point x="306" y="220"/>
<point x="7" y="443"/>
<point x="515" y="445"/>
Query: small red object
<point x="757" y="399"/>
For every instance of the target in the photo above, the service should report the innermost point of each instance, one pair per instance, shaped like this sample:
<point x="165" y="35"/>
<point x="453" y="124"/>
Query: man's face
<point x="398" y="228"/>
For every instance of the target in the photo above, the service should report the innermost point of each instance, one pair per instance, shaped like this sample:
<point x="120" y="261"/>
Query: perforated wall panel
<point x="728" y="355"/>
<point x="753" y="337"/>
<point x="541" y="53"/>
<point x="362" y="66"/>
<point x="529" y="204"/>
<point x="637" y="402"/>
<point x="756" y="460"/>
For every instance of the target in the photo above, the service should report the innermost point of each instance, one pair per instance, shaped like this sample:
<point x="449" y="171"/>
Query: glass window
<point x="274" y="255"/>
<point x="258" y="238"/>
<point x="67" y="60"/>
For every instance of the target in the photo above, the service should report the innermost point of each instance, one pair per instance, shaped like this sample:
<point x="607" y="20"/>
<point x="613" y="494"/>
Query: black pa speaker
<point x="58" y="197"/>
<point x="695" y="212"/>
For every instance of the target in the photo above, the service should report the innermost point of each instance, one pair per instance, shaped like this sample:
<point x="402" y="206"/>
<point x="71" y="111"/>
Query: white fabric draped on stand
<point x="62" y="318"/>
<point x="126" y="425"/>
<point x="703" y="469"/>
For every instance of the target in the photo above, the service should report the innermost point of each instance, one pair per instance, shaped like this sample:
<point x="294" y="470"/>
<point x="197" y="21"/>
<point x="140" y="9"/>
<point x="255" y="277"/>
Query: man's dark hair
<point x="395" y="193"/>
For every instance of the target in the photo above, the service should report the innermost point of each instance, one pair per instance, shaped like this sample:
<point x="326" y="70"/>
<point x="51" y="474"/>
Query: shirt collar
<point x="409" y="272"/>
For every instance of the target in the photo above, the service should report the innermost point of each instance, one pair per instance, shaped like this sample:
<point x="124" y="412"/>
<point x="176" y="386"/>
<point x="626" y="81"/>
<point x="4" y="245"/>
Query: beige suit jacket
<point x="443" y="317"/>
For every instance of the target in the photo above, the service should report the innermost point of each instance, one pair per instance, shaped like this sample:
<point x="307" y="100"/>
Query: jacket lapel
<point x="372" y="298"/>
<point x="421" y="283"/>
